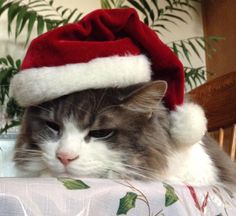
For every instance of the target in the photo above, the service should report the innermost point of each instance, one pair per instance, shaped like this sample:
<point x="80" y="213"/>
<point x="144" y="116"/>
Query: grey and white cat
<point x="115" y="133"/>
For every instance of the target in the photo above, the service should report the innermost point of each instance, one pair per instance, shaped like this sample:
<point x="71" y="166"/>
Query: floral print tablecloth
<point x="103" y="197"/>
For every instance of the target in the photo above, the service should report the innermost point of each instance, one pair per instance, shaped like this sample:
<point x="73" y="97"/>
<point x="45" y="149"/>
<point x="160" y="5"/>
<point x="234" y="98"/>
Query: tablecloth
<point x="104" y="197"/>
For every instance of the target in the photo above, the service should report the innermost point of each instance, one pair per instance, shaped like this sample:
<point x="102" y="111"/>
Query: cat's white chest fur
<point x="191" y="165"/>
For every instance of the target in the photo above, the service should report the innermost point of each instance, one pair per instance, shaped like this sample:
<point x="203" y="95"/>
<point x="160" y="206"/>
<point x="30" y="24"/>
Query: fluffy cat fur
<point x="115" y="133"/>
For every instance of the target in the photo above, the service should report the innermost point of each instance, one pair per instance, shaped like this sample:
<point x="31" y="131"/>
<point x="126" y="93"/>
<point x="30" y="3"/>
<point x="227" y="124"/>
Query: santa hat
<point x="107" y="48"/>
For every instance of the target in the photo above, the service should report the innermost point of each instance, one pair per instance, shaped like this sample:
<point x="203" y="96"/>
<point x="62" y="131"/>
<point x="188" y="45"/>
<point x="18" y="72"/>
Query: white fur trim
<point x="188" y="124"/>
<point x="37" y="85"/>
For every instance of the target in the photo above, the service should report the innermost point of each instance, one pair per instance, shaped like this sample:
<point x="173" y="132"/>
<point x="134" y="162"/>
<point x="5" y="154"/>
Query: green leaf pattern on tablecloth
<point x="170" y="195"/>
<point x="73" y="184"/>
<point x="133" y="197"/>
<point x="127" y="203"/>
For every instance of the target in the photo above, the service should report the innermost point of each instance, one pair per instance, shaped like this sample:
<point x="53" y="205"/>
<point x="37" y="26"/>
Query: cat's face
<point x="95" y="133"/>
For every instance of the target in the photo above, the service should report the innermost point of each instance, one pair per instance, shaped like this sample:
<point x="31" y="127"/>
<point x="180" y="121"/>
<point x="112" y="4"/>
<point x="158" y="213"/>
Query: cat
<point x="115" y="133"/>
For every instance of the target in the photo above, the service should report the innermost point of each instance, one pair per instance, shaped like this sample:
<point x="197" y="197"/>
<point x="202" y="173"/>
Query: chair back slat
<point x="233" y="146"/>
<point x="218" y="98"/>
<point x="221" y="137"/>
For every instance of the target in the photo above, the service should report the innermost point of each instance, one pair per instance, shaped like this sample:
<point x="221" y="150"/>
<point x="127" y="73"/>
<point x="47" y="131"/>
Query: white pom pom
<point x="188" y="124"/>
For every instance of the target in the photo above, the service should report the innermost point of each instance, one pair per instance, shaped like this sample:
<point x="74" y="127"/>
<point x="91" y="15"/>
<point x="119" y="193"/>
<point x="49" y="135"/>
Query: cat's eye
<point x="101" y="134"/>
<point x="54" y="126"/>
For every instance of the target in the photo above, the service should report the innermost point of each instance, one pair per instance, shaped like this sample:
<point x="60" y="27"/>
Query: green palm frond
<point x="157" y="16"/>
<point x="8" y="68"/>
<point x="195" y="76"/>
<point x="26" y="15"/>
<point x="172" y="12"/>
<point x="7" y="126"/>
<point x="187" y="47"/>
<point x="13" y="110"/>
<point x="109" y="4"/>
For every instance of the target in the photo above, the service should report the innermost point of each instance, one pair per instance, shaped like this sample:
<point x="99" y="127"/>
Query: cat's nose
<point x="66" y="158"/>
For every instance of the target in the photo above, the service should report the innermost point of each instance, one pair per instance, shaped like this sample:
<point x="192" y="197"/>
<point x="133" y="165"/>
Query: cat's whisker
<point x="27" y="151"/>
<point x="32" y="150"/>
<point x="106" y="108"/>
<point x="150" y="172"/>
<point x="86" y="111"/>
<point x="30" y="155"/>
<point x="85" y="168"/>
<point x="28" y="159"/>
<point x="129" y="173"/>
<point x="42" y="108"/>
<point x="93" y="99"/>
<point x="101" y="99"/>
<point x="142" y="168"/>
<point x="135" y="166"/>
<point x="42" y="137"/>
<point x="143" y="173"/>
<point x="79" y="108"/>
<point x="131" y="170"/>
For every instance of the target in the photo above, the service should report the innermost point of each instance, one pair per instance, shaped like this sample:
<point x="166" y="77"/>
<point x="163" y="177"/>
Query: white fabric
<point x="188" y="124"/>
<point x="37" y="85"/>
<point x="6" y="154"/>
<point x="48" y="197"/>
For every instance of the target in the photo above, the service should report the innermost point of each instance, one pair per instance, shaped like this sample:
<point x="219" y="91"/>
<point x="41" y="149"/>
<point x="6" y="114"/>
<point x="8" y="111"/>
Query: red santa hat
<point x="107" y="48"/>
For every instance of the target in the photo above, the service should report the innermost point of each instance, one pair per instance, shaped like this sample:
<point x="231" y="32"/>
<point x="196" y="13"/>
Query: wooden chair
<point x="218" y="98"/>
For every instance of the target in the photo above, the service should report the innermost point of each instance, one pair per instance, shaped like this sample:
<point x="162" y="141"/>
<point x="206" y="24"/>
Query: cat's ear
<point x="146" y="98"/>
